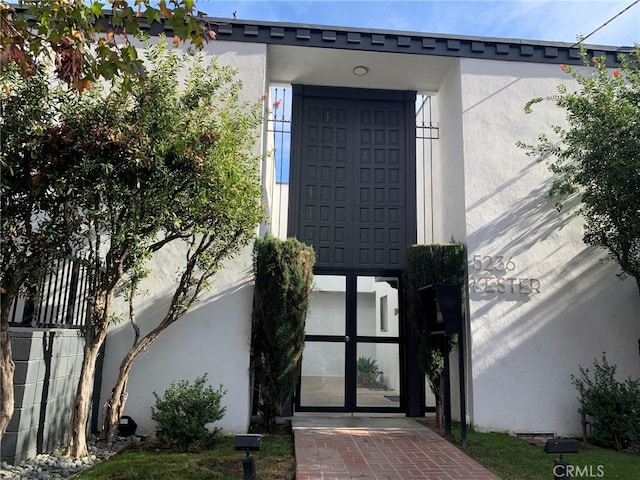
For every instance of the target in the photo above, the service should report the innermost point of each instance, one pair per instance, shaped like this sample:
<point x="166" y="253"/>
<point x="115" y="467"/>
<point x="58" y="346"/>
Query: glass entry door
<point x="352" y="356"/>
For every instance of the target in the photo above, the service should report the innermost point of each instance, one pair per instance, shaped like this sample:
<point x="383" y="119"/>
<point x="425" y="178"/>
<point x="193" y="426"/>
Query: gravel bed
<point x="51" y="466"/>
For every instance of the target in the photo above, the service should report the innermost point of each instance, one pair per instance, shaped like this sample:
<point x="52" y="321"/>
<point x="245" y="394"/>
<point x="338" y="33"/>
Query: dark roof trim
<point x="369" y="40"/>
<point x="391" y="41"/>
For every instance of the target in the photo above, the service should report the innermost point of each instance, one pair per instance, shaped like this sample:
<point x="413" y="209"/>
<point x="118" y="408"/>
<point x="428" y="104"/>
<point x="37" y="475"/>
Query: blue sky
<point x="552" y="20"/>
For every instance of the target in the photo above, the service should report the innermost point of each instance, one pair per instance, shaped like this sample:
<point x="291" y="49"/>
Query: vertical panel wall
<point x="353" y="175"/>
<point x="47" y="369"/>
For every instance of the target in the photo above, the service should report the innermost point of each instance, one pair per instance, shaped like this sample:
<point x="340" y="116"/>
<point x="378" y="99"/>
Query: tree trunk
<point x="7" y="368"/>
<point x="117" y="400"/>
<point x="77" y="442"/>
<point x="98" y="314"/>
<point x="436" y="388"/>
<point x="118" y="397"/>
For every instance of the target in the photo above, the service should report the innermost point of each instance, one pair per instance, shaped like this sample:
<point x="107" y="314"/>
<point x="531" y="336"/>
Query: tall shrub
<point x="283" y="283"/>
<point x="614" y="407"/>
<point x="429" y="265"/>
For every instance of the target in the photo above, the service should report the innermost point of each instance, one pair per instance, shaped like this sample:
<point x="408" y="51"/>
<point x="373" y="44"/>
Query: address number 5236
<point x="489" y="263"/>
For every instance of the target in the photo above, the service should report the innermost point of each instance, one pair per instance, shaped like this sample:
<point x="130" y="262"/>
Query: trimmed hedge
<point x="283" y="284"/>
<point x="428" y="265"/>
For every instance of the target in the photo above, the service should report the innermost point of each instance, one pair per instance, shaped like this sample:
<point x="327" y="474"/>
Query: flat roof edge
<point x="414" y="33"/>
<point x="394" y="41"/>
<point x="391" y="41"/>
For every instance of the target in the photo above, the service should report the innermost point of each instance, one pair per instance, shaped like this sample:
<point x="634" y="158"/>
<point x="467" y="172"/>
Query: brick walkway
<point x="380" y="451"/>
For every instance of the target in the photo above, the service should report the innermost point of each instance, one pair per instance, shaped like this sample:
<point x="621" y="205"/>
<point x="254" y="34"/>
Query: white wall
<point x="215" y="336"/>
<point x="527" y="335"/>
<point x="448" y="166"/>
<point x="563" y="307"/>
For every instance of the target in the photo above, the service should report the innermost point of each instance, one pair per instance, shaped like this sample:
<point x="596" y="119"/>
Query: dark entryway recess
<point x="353" y="198"/>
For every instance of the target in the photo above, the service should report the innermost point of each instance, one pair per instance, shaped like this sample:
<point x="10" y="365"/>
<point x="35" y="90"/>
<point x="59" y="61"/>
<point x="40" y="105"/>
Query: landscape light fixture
<point x="360" y="70"/>
<point x="561" y="468"/>
<point x="248" y="443"/>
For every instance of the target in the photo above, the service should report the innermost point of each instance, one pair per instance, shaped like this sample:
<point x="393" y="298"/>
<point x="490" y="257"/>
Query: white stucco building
<point x="363" y="184"/>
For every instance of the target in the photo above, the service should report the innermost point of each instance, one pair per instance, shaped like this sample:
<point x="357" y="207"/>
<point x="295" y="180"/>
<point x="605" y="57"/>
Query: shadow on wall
<point x="523" y="365"/>
<point x="214" y="337"/>
<point x="527" y="344"/>
<point x="527" y="222"/>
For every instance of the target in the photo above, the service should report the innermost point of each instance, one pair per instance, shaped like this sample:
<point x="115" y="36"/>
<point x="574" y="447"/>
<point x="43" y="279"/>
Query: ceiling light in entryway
<point x="360" y="70"/>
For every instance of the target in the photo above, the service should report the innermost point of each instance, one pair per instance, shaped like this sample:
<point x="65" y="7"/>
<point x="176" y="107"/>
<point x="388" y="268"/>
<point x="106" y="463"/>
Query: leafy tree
<point x="84" y="46"/>
<point x="597" y="154"/>
<point x="160" y="163"/>
<point x="195" y="158"/>
<point x="284" y="280"/>
<point x="84" y="43"/>
<point x="39" y="206"/>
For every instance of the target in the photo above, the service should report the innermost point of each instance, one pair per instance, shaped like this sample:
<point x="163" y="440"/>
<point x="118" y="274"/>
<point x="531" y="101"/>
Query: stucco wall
<point x="448" y="165"/>
<point x="215" y="336"/>
<point x="541" y="303"/>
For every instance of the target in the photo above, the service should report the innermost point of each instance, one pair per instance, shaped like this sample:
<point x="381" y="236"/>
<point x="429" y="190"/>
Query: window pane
<point x="378" y="375"/>
<point x="327" y="309"/>
<point x="378" y="314"/>
<point x="322" y="381"/>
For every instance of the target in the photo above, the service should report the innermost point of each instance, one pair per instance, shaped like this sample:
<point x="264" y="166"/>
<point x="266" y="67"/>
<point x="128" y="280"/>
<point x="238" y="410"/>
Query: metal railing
<point x="60" y="301"/>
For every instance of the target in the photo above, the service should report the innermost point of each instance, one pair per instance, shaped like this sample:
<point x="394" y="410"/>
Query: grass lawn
<point x="508" y="457"/>
<point x="147" y="462"/>
<point x="513" y="458"/>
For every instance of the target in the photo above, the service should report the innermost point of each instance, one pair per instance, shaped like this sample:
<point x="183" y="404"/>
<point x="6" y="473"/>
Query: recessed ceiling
<point x="334" y="67"/>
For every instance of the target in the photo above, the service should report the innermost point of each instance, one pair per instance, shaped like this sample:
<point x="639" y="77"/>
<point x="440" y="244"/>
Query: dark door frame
<point x="412" y="383"/>
<point x="350" y="404"/>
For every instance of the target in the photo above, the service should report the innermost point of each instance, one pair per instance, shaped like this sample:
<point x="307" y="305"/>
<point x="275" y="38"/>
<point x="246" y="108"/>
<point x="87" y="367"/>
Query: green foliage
<point x="367" y="371"/>
<point x="183" y="411"/>
<point x="597" y="154"/>
<point x="429" y="265"/>
<point x="37" y="203"/>
<point x="166" y="161"/>
<point x="613" y="406"/>
<point x="121" y="174"/>
<point x="283" y="284"/>
<point x="84" y="44"/>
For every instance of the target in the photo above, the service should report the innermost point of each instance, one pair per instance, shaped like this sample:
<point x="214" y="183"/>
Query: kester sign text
<point x="494" y="274"/>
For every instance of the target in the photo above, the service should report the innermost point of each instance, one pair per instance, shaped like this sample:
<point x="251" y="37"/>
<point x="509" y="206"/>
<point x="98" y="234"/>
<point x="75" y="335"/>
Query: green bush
<point x="284" y="281"/>
<point x="183" y="411"/>
<point x="368" y="371"/>
<point x="429" y="265"/>
<point x="613" y="406"/>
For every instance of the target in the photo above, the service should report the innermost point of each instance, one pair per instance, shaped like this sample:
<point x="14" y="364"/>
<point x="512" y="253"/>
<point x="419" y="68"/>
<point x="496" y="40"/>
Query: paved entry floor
<point x="380" y="448"/>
